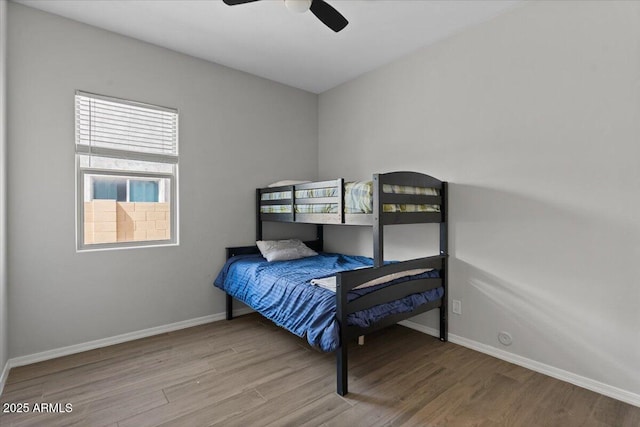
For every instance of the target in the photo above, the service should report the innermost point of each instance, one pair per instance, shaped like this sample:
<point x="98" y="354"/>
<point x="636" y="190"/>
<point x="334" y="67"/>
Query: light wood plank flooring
<point x="248" y="372"/>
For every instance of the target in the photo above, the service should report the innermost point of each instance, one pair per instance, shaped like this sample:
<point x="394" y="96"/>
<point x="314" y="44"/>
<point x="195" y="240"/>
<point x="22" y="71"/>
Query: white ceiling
<point x="266" y="39"/>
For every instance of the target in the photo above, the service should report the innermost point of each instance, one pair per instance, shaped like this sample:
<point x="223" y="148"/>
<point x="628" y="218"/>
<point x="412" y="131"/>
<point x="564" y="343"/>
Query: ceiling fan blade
<point x="235" y="2"/>
<point x="328" y="15"/>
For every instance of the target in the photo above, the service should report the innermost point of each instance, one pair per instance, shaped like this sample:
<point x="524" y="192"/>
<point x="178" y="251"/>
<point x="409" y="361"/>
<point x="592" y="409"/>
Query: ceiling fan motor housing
<point x="298" y="6"/>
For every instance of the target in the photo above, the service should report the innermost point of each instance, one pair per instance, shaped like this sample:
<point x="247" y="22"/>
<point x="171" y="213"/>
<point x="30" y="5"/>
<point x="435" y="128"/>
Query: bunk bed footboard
<point x="349" y="280"/>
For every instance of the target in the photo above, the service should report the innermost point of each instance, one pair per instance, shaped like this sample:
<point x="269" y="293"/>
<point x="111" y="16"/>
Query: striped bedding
<point x="358" y="198"/>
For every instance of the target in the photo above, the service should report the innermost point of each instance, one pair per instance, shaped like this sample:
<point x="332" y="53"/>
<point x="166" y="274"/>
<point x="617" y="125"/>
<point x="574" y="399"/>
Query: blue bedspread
<point x="281" y="291"/>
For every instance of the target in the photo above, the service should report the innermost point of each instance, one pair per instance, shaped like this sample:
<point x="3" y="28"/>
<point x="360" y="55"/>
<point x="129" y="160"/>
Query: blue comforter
<point x="281" y="291"/>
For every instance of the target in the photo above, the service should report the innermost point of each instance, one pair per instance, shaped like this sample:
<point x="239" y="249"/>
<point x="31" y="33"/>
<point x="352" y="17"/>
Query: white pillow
<point x="282" y="250"/>
<point x="287" y="182"/>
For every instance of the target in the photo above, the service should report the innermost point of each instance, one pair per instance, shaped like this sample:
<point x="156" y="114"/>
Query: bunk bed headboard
<point x="410" y="179"/>
<point x="381" y="218"/>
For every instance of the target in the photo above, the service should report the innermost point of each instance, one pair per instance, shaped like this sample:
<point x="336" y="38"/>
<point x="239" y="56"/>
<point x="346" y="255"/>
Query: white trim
<point x="4" y="375"/>
<point x="104" y="342"/>
<point x="421" y="328"/>
<point x="570" y="377"/>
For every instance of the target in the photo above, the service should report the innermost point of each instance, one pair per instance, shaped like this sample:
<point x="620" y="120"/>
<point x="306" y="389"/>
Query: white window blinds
<point x="119" y="128"/>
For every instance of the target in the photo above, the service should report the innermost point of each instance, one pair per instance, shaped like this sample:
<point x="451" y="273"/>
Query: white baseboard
<point x="104" y="342"/>
<point x="421" y="328"/>
<point x="4" y="375"/>
<point x="570" y="377"/>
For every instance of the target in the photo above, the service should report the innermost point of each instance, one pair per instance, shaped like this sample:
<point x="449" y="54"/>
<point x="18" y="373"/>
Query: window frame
<point x="81" y="172"/>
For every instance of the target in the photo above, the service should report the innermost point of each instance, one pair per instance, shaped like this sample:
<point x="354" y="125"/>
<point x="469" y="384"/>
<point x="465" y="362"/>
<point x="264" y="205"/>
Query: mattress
<point x="282" y="292"/>
<point x="358" y="198"/>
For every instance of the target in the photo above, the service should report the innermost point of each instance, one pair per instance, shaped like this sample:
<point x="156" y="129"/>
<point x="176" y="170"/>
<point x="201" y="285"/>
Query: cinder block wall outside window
<point x="108" y="221"/>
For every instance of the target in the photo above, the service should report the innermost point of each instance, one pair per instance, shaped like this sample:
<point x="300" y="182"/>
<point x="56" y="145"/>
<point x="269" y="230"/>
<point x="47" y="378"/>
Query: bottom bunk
<point x="332" y="298"/>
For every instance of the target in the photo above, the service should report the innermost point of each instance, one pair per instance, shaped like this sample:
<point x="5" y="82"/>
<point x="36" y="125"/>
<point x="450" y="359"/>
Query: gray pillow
<point x="282" y="250"/>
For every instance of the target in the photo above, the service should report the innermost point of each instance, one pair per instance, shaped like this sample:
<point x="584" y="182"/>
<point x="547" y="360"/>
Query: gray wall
<point x="534" y="117"/>
<point x="237" y="132"/>
<point x="4" y="353"/>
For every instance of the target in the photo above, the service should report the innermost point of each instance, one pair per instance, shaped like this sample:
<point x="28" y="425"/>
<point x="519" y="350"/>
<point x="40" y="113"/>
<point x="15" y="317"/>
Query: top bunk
<point x="389" y="198"/>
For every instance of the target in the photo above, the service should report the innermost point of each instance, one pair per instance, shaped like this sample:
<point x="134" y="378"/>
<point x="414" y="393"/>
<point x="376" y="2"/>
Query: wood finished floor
<point x="248" y="372"/>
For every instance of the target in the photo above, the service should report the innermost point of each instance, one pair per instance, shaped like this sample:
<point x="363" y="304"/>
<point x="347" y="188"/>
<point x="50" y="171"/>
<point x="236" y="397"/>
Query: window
<point x="125" y="189"/>
<point x="127" y="168"/>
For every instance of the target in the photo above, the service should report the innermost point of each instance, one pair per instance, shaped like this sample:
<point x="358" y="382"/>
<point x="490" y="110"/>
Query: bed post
<point x="444" y="250"/>
<point x="229" y="307"/>
<point x="341" y="369"/>
<point x="258" y="219"/>
<point x="342" y="351"/>
<point x="228" y="297"/>
<point x="378" y="235"/>
<point x="320" y="237"/>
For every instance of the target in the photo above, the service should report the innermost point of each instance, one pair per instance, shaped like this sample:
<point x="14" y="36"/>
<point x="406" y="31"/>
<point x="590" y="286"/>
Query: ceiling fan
<point x="323" y="11"/>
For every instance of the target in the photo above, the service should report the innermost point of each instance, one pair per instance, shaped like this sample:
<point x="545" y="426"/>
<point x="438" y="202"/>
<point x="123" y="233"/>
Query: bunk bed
<point x="369" y="294"/>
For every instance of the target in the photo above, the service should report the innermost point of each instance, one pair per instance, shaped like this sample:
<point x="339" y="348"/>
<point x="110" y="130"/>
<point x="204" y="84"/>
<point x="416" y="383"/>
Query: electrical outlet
<point x="457" y="306"/>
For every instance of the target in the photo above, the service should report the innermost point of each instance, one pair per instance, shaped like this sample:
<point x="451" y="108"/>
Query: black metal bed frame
<point x="348" y="280"/>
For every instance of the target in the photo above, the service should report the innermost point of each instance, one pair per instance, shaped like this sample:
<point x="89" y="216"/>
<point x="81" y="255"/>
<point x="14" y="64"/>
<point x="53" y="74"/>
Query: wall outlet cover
<point x="456" y="306"/>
